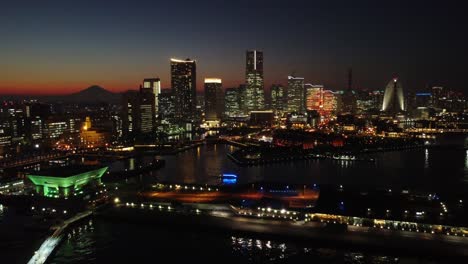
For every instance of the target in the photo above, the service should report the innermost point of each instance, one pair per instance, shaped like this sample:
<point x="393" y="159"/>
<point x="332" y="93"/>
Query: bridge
<point x="49" y="245"/>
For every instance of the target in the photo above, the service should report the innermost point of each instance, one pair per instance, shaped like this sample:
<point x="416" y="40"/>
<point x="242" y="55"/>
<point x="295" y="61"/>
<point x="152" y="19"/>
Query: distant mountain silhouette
<point x="93" y="94"/>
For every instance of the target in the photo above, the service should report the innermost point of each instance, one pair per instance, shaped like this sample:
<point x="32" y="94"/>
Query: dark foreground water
<point x="102" y="241"/>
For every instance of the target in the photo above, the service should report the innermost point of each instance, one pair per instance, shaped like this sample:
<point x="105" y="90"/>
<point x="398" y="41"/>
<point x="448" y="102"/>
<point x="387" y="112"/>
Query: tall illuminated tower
<point x="394" y="100"/>
<point x="314" y="97"/>
<point x="184" y="87"/>
<point x="153" y="85"/>
<point x="296" y="102"/>
<point x="214" y="102"/>
<point x="254" y="91"/>
<point x="277" y="98"/>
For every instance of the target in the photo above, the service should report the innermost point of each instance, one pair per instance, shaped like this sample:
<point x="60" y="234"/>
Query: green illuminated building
<point x="67" y="181"/>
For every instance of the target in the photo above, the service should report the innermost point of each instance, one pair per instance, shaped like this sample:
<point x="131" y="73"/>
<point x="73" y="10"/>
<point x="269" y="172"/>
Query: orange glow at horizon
<point x="63" y="88"/>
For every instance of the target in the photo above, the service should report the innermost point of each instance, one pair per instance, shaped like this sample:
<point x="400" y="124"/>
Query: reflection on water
<point x="466" y="160"/>
<point x="132" y="164"/>
<point x="426" y="158"/>
<point x="104" y="242"/>
<point x="408" y="168"/>
<point x="256" y="250"/>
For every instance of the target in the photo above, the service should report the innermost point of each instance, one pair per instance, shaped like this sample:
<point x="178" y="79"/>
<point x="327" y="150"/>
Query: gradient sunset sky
<point x="51" y="47"/>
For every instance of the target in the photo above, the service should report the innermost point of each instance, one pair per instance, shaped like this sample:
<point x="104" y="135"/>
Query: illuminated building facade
<point x="138" y="112"/>
<point x="394" y="100"/>
<point x="295" y="94"/>
<point x="166" y="111"/>
<point x="214" y="102"/>
<point x="254" y="91"/>
<point x="277" y="98"/>
<point x="62" y="182"/>
<point x="147" y="111"/>
<point x="91" y="137"/>
<point x="130" y="112"/>
<point x="314" y="97"/>
<point x="330" y="103"/>
<point x="55" y="128"/>
<point x="153" y="85"/>
<point x="184" y="87"/>
<point x="232" y="102"/>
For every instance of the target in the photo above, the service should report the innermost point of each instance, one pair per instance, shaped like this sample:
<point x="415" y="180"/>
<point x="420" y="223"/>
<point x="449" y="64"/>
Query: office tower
<point x="184" y="87"/>
<point x="147" y="111"/>
<point x="130" y="112"/>
<point x="277" y="100"/>
<point x="394" y="100"/>
<point x="232" y="98"/>
<point x="295" y="94"/>
<point x="214" y="102"/>
<point x="36" y="128"/>
<point x="55" y="127"/>
<point x="314" y="97"/>
<point x="138" y="112"/>
<point x="166" y="105"/>
<point x="153" y="85"/>
<point x="254" y="91"/>
<point x="330" y="103"/>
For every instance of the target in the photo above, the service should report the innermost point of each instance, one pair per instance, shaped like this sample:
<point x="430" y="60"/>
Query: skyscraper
<point x="138" y="112"/>
<point x="232" y="102"/>
<point x="154" y="85"/>
<point x="295" y="94"/>
<point x="183" y="82"/>
<point x="314" y="97"/>
<point x="394" y="100"/>
<point x="330" y="103"/>
<point x="130" y="113"/>
<point x="166" y="106"/>
<point x="214" y="102"/>
<point x="147" y="111"/>
<point x="254" y="91"/>
<point x="277" y="98"/>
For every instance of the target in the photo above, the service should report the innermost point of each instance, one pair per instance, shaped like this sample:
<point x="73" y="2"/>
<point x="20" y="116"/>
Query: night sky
<point x="49" y="47"/>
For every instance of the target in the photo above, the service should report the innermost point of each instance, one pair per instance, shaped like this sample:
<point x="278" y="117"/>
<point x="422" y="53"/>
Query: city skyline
<point x="82" y="44"/>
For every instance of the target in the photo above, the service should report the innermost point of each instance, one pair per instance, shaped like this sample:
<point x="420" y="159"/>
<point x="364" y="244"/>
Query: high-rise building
<point x="277" y="100"/>
<point x="394" y="100"/>
<point x="130" y="112"/>
<point x="147" y="111"/>
<point x="184" y="87"/>
<point x="254" y="91"/>
<point x="232" y="102"/>
<point x="154" y="85"/>
<point x="314" y="96"/>
<point x="330" y="103"/>
<point x="166" y="105"/>
<point x="214" y="102"/>
<point x="138" y="112"/>
<point x="295" y="94"/>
